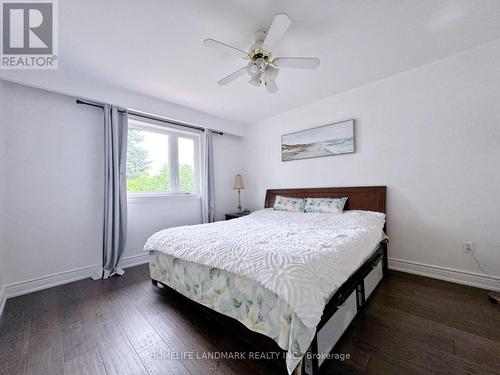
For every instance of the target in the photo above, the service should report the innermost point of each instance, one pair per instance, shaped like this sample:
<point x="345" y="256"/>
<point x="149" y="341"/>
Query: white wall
<point x="147" y="216"/>
<point x="54" y="188"/>
<point x="54" y="179"/>
<point x="2" y="197"/>
<point x="229" y="161"/>
<point x="432" y="135"/>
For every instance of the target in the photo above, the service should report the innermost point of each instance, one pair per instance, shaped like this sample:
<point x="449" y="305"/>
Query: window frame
<point x="173" y="134"/>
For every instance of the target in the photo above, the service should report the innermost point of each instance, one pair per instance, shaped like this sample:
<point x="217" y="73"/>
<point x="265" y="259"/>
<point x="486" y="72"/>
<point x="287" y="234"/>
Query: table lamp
<point x="238" y="184"/>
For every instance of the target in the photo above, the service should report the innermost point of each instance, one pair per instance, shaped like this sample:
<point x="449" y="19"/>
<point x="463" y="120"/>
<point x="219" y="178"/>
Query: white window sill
<point x="155" y="197"/>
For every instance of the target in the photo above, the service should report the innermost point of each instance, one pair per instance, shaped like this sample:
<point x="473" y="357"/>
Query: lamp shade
<point x="238" y="182"/>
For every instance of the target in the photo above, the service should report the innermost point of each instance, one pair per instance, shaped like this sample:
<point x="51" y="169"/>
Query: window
<point x="185" y="148"/>
<point x="161" y="160"/>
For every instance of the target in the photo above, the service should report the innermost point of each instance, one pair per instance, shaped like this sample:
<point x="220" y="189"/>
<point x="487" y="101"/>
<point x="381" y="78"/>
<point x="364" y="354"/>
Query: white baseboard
<point x="32" y="285"/>
<point x="49" y="281"/>
<point x="446" y="274"/>
<point x="3" y="299"/>
<point x="134" y="260"/>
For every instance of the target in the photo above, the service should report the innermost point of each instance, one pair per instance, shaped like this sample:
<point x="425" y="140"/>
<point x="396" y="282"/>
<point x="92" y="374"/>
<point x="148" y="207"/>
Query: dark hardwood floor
<point x="412" y="325"/>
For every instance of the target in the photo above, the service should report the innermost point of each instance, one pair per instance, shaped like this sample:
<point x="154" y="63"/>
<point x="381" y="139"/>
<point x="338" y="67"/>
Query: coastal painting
<point x="327" y="140"/>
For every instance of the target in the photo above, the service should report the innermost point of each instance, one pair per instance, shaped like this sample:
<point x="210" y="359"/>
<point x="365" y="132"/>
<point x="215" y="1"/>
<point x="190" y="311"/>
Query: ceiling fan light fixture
<point x="270" y="79"/>
<point x="271" y="72"/>
<point x="262" y="68"/>
<point x="252" y="69"/>
<point x="255" y="80"/>
<point x="261" y="64"/>
<point x="271" y="87"/>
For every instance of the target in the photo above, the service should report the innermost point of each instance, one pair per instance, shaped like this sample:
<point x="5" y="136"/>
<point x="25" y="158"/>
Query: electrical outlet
<point x="468" y="247"/>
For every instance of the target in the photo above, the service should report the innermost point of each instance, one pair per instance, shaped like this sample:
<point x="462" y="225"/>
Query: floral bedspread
<point x="259" y="309"/>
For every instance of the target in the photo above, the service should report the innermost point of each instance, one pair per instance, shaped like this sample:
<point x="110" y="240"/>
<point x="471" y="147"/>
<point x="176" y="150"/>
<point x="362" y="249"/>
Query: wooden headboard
<point x="368" y="198"/>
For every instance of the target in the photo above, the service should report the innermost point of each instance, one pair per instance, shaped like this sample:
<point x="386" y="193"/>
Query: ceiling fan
<point x="262" y="67"/>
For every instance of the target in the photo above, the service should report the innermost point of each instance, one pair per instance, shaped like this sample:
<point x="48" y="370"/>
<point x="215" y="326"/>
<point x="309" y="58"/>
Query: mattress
<point x="272" y="267"/>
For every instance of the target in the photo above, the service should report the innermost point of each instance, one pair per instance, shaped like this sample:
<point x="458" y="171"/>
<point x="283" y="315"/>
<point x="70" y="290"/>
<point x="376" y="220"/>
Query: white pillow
<point x="288" y="204"/>
<point x="333" y="205"/>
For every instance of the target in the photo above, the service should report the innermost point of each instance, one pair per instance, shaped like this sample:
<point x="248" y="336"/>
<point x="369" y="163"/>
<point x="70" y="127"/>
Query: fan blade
<point x="296" y="62"/>
<point x="230" y="78"/>
<point x="224" y="48"/>
<point x="276" y="31"/>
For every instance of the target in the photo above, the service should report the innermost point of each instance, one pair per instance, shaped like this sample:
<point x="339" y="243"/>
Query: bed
<point x="297" y="278"/>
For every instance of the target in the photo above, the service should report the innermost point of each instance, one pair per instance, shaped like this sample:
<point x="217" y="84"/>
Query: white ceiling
<point x="155" y="47"/>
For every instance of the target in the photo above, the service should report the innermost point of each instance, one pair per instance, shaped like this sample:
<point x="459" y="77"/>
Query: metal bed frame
<point x="310" y="363"/>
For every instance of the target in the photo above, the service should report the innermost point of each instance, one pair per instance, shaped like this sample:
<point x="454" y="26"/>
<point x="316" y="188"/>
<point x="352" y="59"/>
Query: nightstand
<point x="233" y="216"/>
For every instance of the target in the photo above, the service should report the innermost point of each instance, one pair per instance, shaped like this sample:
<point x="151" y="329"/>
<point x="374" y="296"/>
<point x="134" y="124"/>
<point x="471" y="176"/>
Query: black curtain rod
<point x="149" y="117"/>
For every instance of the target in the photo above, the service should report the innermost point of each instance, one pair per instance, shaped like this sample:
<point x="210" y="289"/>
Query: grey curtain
<point x="208" y="199"/>
<point x="115" y="193"/>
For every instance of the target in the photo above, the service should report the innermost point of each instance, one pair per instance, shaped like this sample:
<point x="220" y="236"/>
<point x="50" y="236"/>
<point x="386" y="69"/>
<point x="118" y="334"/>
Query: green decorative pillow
<point x="332" y="205"/>
<point x="288" y="204"/>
